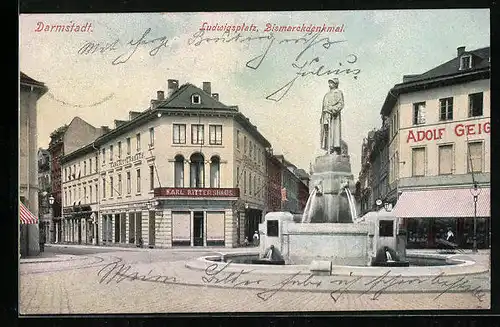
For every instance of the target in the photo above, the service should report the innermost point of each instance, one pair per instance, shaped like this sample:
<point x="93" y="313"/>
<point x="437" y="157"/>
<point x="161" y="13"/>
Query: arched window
<point x="197" y="166"/>
<point x="179" y="171"/>
<point x="215" y="171"/>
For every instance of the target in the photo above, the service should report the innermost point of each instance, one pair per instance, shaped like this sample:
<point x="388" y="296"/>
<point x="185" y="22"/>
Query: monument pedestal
<point x="331" y="174"/>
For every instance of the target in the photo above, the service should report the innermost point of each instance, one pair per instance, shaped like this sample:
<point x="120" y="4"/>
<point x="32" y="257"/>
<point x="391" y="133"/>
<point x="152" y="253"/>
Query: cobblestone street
<point x="70" y="284"/>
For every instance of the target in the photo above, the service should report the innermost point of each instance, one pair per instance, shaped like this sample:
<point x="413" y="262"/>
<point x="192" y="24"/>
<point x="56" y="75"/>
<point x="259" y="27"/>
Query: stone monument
<point x="332" y="183"/>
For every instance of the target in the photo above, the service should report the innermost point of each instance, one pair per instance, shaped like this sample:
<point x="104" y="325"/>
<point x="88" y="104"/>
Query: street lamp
<point x="475" y="191"/>
<point x="51" y="200"/>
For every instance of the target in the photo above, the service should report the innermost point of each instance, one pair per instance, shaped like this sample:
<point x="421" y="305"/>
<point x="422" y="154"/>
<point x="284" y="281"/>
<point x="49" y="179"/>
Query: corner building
<point x="188" y="171"/>
<point x="439" y="145"/>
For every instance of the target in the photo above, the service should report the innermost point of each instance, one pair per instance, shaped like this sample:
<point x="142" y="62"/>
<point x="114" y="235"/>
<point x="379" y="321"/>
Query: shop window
<point x="386" y="228"/>
<point x="179" y="171"/>
<point x="445" y="159"/>
<point x="197" y="169"/>
<point x="215" y="172"/>
<point x="272" y="228"/>
<point x="476" y="104"/>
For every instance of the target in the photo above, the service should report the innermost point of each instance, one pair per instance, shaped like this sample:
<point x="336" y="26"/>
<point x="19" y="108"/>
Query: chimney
<point x="173" y="85"/>
<point x="105" y="129"/>
<point x="133" y="114"/>
<point x="215" y="96"/>
<point x="460" y="51"/>
<point x="160" y="95"/>
<point x="154" y="103"/>
<point x="207" y="87"/>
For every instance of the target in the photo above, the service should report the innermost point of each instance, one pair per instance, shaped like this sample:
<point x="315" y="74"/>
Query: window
<point x="272" y="228"/>
<point x="254" y="185"/>
<point x="151" y="137"/>
<point x="110" y="153"/>
<point x="179" y="171"/>
<point x="138" y="138"/>
<point x="197" y="170"/>
<point x="119" y="150"/>
<point x="254" y="152"/>
<point x="128" y="146"/>
<point x="446" y="109"/>
<point x="111" y="186"/>
<point x="96" y="191"/>
<point x="215" y="136"/>
<point x="66" y="174"/>
<point x="90" y="194"/>
<point x="465" y="62"/>
<point x="85" y="168"/>
<point x="65" y="198"/>
<point x="386" y="228"/>
<point x="90" y="166"/>
<point x="475" y="157"/>
<point x="179" y="136"/>
<point x="85" y="195"/>
<point x="418" y="113"/>
<point x="197" y="133"/>
<point x="445" y="159"/>
<point x="237" y="176"/>
<point x="238" y="140"/>
<point x="245" y="182"/>
<point x="215" y="171"/>
<point x="103" y="155"/>
<point x="245" y="145"/>
<point x="250" y="183"/>
<point x="476" y="104"/>
<point x="195" y="99"/>
<point x="103" y="187"/>
<point x="119" y="184"/>
<point x="129" y="185"/>
<point x="96" y="163"/>
<point x="151" y="177"/>
<point x="251" y="147"/>
<point x="418" y="161"/>
<point x="138" y="181"/>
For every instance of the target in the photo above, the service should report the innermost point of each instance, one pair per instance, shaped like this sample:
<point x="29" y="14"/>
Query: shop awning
<point x="25" y="216"/>
<point x="442" y="203"/>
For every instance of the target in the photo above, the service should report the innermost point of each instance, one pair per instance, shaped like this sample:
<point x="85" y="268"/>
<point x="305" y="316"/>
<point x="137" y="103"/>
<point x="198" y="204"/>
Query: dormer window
<point x="195" y="99"/>
<point x="465" y="62"/>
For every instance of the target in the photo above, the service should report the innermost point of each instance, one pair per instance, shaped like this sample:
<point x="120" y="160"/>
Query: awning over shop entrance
<point x="442" y="203"/>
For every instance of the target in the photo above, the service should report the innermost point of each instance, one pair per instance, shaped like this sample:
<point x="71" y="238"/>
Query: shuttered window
<point x="418" y="161"/>
<point x="215" y="226"/>
<point x="475" y="157"/>
<point x="181" y="226"/>
<point x="445" y="159"/>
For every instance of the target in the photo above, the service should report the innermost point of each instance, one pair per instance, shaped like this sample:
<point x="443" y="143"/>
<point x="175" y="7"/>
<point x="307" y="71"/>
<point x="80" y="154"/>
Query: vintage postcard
<point x="254" y="161"/>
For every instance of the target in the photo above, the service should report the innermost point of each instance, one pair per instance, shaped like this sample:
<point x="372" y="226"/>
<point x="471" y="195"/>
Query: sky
<point x="369" y="54"/>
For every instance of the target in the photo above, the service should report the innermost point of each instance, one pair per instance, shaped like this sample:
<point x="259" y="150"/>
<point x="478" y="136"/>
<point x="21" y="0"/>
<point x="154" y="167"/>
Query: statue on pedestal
<point x="333" y="103"/>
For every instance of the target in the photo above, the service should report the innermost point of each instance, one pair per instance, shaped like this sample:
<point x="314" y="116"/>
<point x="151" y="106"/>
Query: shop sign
<point x="460" y="130"/>
<point x="128" y="159"/>
<point x="197" y="192"/>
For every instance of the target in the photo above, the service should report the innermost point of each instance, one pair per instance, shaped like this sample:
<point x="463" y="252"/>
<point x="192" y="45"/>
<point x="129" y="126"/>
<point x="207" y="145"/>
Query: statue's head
<point x="333" y="83"/>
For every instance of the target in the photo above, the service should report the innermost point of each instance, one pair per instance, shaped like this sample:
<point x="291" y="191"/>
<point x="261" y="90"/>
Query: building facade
<point x="30" y="91"/>
<point x="188" y="171"/>
<point x="44" y="185"/>
<point x="439" y="148"/>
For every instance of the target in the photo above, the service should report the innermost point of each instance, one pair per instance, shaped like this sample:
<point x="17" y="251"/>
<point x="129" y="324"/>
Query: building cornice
<point x="425" y="84"/>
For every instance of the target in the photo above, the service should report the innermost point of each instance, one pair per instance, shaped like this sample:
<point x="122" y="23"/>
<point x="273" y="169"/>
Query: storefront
<point x="427" y="215"/>
<point x="194" y="217"/>
<point x="78" y="224"/>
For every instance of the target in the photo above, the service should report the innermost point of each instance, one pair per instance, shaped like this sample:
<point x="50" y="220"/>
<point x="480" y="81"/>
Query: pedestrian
<point x="256" y="238"/>
<point x="42" y="241"/>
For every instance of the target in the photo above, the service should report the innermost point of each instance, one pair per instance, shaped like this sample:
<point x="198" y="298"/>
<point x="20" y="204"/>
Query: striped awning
<point x="442" y="203"/>
<point x="25" y="216"/>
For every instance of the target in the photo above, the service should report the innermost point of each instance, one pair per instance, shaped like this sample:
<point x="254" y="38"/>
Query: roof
<point x="447" y="73"/>
<point x="181" y="98"/>
<point x="442" y="203"/>
<point x="28" y="81"/>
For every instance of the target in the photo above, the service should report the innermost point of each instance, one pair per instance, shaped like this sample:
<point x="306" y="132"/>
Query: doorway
<point x="198" y="228"/>
<point x="151" y="239"/>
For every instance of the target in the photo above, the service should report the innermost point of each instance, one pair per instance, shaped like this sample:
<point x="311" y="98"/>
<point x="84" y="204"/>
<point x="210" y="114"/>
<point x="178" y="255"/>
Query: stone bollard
<point x="321" y="268"/>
